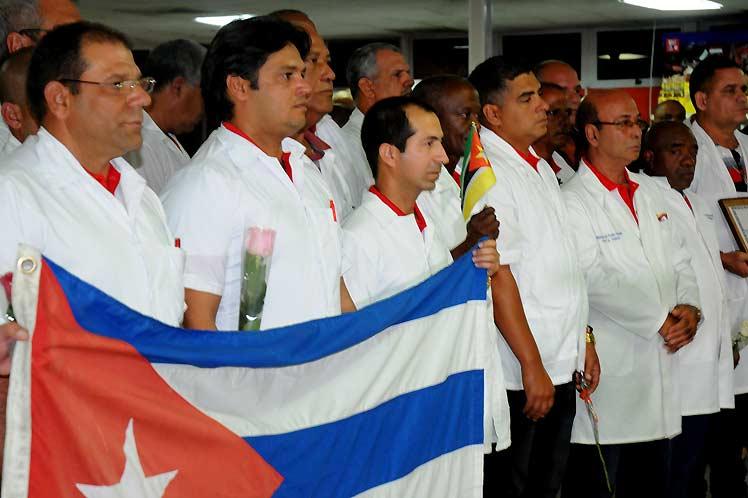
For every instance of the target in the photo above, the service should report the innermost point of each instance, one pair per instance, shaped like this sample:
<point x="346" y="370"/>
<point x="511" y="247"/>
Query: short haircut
<point x="491" y="76"/>
<point x="540" y="67"/>
<point x="59" y="55"/>
<point x="16" y="15"/>
<point x="13" y="75"/>
<point x="387" y="123"/>
<point x="363" y="64"/>
<point x="241" y="48"/>
<point x="173" y="59"/>
<point x="431" y="90"/>
<point x="653" y="137"/>
<point x="704" y="72"/>
<point x="586" y="114"/>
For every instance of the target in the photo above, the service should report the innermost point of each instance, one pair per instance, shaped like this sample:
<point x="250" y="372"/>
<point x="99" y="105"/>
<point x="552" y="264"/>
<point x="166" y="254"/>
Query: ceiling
<point x="149" y="22"/>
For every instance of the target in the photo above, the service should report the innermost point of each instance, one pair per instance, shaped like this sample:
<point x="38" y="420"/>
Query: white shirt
<point x="535" y="242"/>
<point x="159" y="157"/>
<point x="334" y="176"/>
<point x="707" y="361"/>
<point x="231" y="185"/>
<point x="636" y="274"/>
<point x="566" y="172"/>
<point x="712" y="182"/>
<point x="357" y="157"/>
<point x="119" y="244"/>
<point x="5" y="133"/>
<point x="443" y="206"/>
<point x="10" y="145"/>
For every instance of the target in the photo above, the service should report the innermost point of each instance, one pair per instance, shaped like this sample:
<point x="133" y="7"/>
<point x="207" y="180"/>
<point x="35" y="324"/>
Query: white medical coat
<point x="636" y="274"/>
<point x="335" y="178"/>
<point x="357" y="157"/>
<point x="536" y="243"/>
<point x="706" y="370"/>
<point x="442" y="205"/>
<point x="119" y="244"/>
<point x="231" y="185"/>
<point x="566" y="171"/>
<point x="712" y="182"/>
<point x="160" y="156"/>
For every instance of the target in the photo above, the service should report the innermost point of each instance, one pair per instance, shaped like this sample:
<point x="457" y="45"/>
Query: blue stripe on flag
<point x="97" y="312"/>
<point x="347" y="457"/>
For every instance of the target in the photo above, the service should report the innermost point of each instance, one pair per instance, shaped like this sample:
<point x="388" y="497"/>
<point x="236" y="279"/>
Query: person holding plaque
<point x="718" y="88"/>
<point x="644" y="306"/>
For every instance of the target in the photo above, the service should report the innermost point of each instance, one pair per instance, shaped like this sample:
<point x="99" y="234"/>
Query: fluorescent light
<point x="674" y="4"/>
<point x="221" y="20"/>
<point x="623" y="56"/>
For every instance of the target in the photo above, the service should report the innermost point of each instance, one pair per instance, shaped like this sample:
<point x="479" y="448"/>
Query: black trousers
<point x="724" y="445"/>
<point x="636" y="470"/>
<point x="534" y="465"/>
<point x="688" y="456"/>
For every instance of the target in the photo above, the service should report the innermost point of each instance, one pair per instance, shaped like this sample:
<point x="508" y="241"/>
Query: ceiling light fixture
<point x="674" y="4"/>
<point x="221" y="20"/>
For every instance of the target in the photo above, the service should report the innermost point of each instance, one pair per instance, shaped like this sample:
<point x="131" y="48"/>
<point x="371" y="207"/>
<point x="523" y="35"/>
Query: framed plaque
<point x="736" y="214"/>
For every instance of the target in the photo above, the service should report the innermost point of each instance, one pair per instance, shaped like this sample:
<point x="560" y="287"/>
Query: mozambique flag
<point x="476" y="176"/>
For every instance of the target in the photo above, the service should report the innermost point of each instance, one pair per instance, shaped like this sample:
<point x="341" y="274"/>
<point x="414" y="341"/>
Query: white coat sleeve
<point x="609" y="292"/>
<point x="201" y="212"/>
<point x="360" y="269"/>
<point x="686" y="286"/>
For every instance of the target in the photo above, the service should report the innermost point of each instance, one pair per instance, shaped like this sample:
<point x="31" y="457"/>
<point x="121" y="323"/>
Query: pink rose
<point x="260" y="241"/>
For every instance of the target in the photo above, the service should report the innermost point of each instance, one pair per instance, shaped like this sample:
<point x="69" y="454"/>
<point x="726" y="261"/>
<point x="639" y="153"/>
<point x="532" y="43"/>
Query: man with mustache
<point x="248" y="173"/>
<point x="643" y="302"/>
<point x="550" y="146"/>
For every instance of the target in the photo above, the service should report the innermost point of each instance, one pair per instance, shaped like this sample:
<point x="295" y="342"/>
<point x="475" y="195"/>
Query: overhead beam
<point x="480" y="32"/>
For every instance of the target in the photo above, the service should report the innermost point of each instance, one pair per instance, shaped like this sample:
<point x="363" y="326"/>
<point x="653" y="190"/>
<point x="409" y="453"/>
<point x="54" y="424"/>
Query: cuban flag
<point x="396" y="400"/>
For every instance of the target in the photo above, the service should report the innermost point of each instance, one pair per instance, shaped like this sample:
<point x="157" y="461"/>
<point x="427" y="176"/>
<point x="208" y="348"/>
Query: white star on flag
<point x="133" y="483"/>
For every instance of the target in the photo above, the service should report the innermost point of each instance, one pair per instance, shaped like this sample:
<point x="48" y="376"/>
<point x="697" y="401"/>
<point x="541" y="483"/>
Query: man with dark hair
<point x="669" y="110"/>
<point x="67" y="192"/>
<point x="23" y="23"/>
<point x="718" y="93"/>
<point x="550" y="146"/>
<point x="248" y="174"/>
<point x="375" y="71"/>
<point x="15" y="106"/>
<point x="643" y="302"/>
<point x="706" y="365"/>
<point x="176" y="108"/>
<point x="544" y="280"/>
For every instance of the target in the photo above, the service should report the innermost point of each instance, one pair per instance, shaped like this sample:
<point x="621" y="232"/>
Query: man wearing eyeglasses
<point x="643" y="307"/>
<point x="718" y="92"/>
<point x="550" y="146"/>
<point x="67" y="192"/>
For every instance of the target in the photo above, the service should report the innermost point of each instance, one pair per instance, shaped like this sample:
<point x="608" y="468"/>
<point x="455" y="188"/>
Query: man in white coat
<point x="247" y="174"/>
<point x="176" y="108"/>
<point x="536" y="246"/>
<point x="375" y="71"/>
<point x="718" y="93"/>
<point x="550" y="146"/>
<point x="706" y="364"/>
<point x="643" y="307"/>
<point x="67" y="191"/>
<point x="15" y="104"/>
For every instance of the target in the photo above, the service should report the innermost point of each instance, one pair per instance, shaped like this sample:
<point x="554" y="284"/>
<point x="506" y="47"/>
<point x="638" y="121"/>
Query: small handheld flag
<point x="476" y="174"/>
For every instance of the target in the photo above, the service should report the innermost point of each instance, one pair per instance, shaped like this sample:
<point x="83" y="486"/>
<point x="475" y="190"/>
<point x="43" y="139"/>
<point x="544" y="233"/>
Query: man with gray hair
<point x="375" y="71"/>
<point x="177" y="107"/>
<point x="23" y="23"/>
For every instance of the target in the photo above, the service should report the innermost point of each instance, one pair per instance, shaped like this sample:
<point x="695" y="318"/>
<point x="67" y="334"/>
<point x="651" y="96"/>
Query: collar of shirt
<point x="529" y="158"/>
<point x="109" y="180"/>
<point x="626" y="190"/>
<point x="317" y="145"/>
<point x="555" y="167"/>
<point x="285" y="159"/>
<point x="420" y="220"/>
<point x="457" y="178"/>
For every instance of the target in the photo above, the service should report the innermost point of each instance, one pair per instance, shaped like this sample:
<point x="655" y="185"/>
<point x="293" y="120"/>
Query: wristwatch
<point x="589" y="337"/>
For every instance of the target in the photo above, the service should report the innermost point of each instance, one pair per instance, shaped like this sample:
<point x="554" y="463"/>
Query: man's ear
<point x="700" y="100"/>
<point x="16" y="41"/>
<point x="58" y="99"/>
<point x="492" y="115"/>
<point x="237" y="88"/>
<point x="366" y="88"/>
<point x="12" y="115"/>
<point x="177" y="86"/>
<point x="592" y="133"/>
<point x="389" y="155"/>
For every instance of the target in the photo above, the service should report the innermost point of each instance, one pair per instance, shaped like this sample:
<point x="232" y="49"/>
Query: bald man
<point x="550" y="146"/>
<point x="644" y="306"/>
<point x="669" y="110"/>
<point x="15" y="107"/>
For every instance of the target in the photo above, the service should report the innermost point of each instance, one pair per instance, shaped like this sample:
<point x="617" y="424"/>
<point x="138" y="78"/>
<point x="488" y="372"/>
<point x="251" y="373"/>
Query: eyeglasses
<point x="35" y="34"/>
<point x="126" y="86"/>
<point x="626" y="124"/>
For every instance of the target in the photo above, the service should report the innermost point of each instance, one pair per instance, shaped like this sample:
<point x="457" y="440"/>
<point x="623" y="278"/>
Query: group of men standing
<point x="633" y="280"/>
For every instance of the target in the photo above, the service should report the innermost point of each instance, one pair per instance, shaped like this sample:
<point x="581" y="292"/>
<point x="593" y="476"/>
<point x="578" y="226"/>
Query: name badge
<point x="610" y="237"/>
